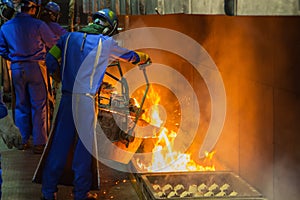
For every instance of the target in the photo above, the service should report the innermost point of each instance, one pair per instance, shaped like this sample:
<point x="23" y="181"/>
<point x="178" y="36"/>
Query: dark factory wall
<point x="258" y="58"/>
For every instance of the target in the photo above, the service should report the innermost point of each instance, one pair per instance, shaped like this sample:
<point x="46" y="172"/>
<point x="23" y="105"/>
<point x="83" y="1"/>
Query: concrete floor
<point x="18" y="168"/>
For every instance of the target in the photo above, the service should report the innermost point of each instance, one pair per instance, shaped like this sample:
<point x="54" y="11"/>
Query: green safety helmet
<point x="108" y="19"/>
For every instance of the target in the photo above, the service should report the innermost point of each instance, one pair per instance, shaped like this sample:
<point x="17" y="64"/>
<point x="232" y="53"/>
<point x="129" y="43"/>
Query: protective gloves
<point x="143" y="58"/>
<point x="9" y="132"/>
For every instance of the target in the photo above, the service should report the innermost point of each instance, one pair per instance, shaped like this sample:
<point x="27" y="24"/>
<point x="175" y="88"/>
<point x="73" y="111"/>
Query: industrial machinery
<point x="118" y="113"/>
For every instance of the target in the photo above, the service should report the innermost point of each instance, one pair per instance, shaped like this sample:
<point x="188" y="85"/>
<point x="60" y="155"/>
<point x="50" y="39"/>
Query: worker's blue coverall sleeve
<point x="57" y="29"/>
<point x="80" y="59"/>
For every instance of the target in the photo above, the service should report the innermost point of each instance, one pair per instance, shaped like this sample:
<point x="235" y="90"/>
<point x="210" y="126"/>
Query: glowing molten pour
<point x="164" y="158"/>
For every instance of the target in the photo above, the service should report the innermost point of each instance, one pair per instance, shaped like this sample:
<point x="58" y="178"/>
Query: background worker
<point x="23" y="41"/>
<point x="86" y="48"/>
<point x="50" y="15"/>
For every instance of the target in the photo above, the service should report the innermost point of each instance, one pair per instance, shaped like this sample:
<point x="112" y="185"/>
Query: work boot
<point x="91" y="196"/>
<point x="38" y="149"/>
<point x="23" y="146"/>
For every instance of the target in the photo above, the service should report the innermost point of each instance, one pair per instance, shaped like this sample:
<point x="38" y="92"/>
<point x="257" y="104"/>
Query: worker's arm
<point x="47" y="35"/>
<point x="3" y="46"/>
<point x="127" y="55"/>
<point x="52" y="59"/>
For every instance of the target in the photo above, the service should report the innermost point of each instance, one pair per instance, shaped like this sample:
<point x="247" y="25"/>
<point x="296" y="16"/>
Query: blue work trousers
<point x="31" y="101"/>
<point x="64" y="136"/>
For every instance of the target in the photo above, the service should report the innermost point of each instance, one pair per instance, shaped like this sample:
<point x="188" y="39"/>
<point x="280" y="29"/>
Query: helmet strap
<point x="113" y="30"/>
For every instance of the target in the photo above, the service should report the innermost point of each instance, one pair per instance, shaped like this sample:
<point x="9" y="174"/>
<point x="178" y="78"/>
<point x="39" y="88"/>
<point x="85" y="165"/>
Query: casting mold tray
<point x="194" y="186"/>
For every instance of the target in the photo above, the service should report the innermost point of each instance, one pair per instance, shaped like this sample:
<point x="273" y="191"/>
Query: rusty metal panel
<point x="134" y="5"/>
<point x="142" y="7"/>
<point x="122" y="7"/>
<point x="172" y="6"/>
<point x="270" y="7"/>
<point x="191" y="6"/>
<point x="86" y="6"/>
<point x="138" y="7"/>
<point x="115" y="6"/>
<point x="129" y="7"/>
<point x="215" y="7"/>
<point x="150" y="6"/>
<point x="206" y="7"/>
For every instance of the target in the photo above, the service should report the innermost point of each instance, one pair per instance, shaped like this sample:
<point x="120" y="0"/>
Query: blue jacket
<point x="18" y="41"/>
<point x="85" y="60"/>
<point x="57" y="29"/>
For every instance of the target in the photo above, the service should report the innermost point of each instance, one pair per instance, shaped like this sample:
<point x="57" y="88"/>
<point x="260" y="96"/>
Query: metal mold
<point x="195" y="186"/>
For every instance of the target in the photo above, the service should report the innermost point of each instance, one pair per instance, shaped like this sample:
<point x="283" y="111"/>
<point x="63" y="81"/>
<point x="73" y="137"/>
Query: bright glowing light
<point x="164" y="157"/>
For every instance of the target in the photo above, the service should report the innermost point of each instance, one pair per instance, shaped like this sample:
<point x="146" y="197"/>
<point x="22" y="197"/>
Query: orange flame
<point x="164" y="158"/>
<point x="152" y="115"/>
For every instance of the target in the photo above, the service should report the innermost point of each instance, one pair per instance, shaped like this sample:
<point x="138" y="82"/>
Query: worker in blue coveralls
<point x="24" y="41"/>
<point x="50" y="15"/>
<point x="8" y="132"/>
<point x="84" y="57"/>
